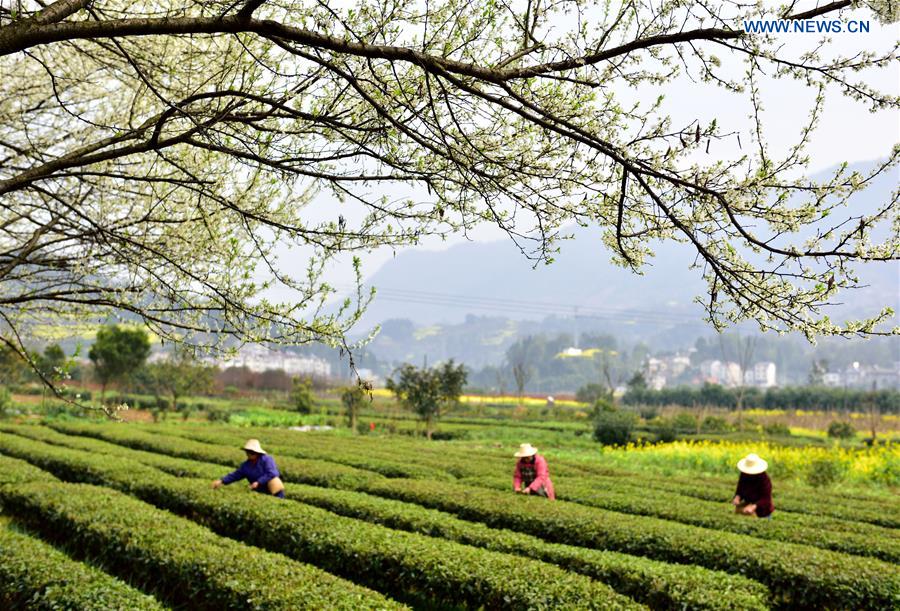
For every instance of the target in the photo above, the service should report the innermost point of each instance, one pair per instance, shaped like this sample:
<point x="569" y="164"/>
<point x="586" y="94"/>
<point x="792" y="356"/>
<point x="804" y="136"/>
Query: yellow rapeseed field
<point x="496" y="400"/>
<point x="880" y="464"/>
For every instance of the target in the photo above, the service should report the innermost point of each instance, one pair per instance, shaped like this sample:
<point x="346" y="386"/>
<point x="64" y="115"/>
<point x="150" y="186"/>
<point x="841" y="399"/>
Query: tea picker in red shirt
<point x="532" y="475"/>
<point x="754" y="489"/>
<point x="259" y="469"/>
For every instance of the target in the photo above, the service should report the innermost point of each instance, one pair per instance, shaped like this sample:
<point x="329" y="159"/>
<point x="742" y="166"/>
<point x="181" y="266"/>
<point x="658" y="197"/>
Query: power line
<point x="534" y="307"/>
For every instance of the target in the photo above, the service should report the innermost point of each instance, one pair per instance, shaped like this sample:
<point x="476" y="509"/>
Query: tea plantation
<point x="122" y="516"/>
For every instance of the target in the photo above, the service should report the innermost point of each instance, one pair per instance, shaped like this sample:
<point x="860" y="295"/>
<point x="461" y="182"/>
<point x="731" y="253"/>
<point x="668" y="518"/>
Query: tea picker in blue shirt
<point x="259" y="469"/>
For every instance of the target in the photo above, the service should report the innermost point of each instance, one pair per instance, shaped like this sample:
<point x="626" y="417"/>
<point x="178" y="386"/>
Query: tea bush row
<point x="193" y="565"/>
<point x="331" y="453"/>
<point x="35" y="575"/>
<point x="877" y="512"/>
<point x="847" y="537"/>
<point x="404" y="563"/>
<point x="657" y="584"/>
<point x="169" y="464"/>
<point x="678" y="507"/>
<point x="660" y="585"/>
<point x="315" y="472"/>
<point x="796" y="574"/>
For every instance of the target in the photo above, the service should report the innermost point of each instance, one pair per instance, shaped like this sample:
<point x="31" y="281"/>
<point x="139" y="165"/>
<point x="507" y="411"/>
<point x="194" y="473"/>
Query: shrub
<point x="685" y="423"/>
<point x="589" y="393"/>
<point x="777" y="428"/>
<point x="802" y="574"/>
<point x="665" y="432"/>
<point x="302" y="399"/>
<point x="658" y="584"/>
<point x="613" y="428"/>
<point x="648" y="412"/>
<point x="603" y="405"/>
<point x="838" y="535"/>
<point x="841" y="430"/>
<point x="715" y="424"/>
<point x="5" y="398"/>
<point x="824" y="472"/>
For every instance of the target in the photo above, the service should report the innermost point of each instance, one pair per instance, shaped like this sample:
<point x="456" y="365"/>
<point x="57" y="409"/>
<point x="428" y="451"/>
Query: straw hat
<point x="252" y="445"/>
<point x="752" y="464"/>
<point x="526" y="449"/>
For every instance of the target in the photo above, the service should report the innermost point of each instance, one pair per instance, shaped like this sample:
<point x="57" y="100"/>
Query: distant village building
<point x="662" y="370"/>
<point x="831" y="378"/>
<point x="879" y="378"/>
<point x="726" y="373"/>
<point x="869" y="377"/>
<point x="259" y="358"/>
<point x="761" y="375"/>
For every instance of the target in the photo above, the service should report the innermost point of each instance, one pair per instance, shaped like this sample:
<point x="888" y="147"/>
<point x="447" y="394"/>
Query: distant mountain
<point x="494" y="278"/>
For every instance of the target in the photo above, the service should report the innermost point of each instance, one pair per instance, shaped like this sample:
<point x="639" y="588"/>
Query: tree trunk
<point x="429" y="426"/>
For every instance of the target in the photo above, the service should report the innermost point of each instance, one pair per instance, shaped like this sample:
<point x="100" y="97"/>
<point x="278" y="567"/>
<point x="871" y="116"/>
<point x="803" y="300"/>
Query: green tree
<point x="614" y="427"/>
<point x="428" y="392"/>
<point x="817" y="372"/>
<point x="302" y="398"/>
<point x="222" y="120"/>
<point x="589" y="393"/>
<point x="117" y="353"/>
<point x="52" y="362"/>
<point x="50" y="366"/>
<point x="353" y="398"/>
<point x="14" y="368"/>
<point x="637" y="382"/>
<point x="178" y="376"/>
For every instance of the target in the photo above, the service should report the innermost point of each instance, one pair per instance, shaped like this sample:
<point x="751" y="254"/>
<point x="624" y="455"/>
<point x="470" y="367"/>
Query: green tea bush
<point x="187" y="562"/>
<point x="848" y="511"/>
<point x="838" y="535"/>
<point x="660" y="585"/>
<point x="349" y="456"/>
<point x="315" y="472"/>
<point x="798" y="575"/>
<point x="408" y="563"/>
<point x="35" y="575"/>
<point x="16" y="471"/>
<point x="657" y="584"/>
<point x="859" y="583"/>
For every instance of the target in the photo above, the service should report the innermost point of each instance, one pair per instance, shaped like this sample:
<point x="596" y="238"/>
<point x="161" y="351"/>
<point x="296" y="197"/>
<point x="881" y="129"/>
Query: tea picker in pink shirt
<point x="532" y="475"/>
